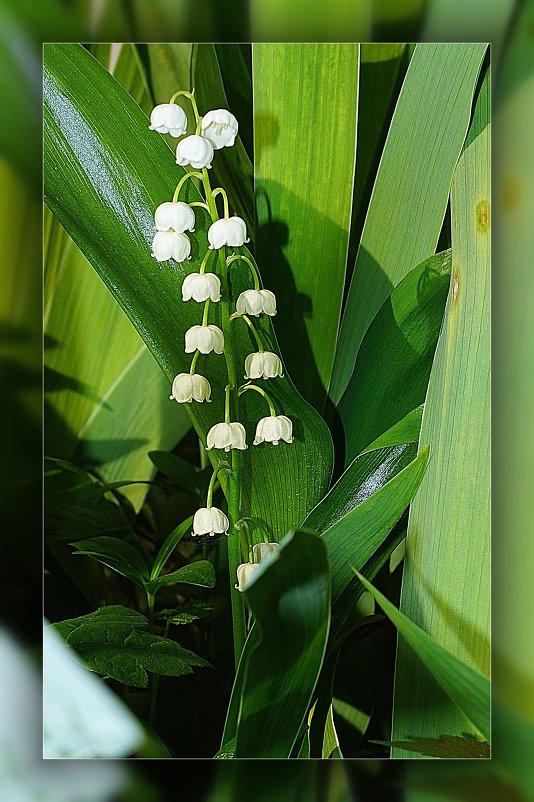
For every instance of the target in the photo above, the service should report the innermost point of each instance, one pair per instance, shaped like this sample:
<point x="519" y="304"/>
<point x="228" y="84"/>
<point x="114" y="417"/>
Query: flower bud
<point x="264" y="365"/>
<point x="209" y="522"/>
<point x="171" y="245"/>
<point x="227" y="231"/>
<point x="194" y="150"/>
<point x="227" y="436"/>
<point x="174" y="217"/>
<point x="201" y="286"/>
<point x="204" y="339"/>
<point x="168" y="118"/>
<point x="244" y="573"/>
<point x="254" y="302"/>
<point x="187" y="388"/>
<point x="262" y="550"/>
<point x="273" y="429"/>
<point x="220" y="127"/>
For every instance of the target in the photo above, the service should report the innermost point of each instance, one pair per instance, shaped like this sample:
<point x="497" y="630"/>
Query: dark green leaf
<point x="169" y="545"/>
<point x="179" y="470"/>
<point x="446" y="746"/>
<point x="109" y="616"/>
<point x="116" y="554"/>
<point x="198" y="573"/>
<point x="290" y="600"/>
<point x="392" y="369"/>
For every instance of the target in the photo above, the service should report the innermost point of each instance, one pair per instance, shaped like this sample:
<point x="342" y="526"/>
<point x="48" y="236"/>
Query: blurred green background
<point x="509" y="26"/>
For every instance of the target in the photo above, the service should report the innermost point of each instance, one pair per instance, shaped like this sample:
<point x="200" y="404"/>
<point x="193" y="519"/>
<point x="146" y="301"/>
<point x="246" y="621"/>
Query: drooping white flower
<point x="273" y="429"/>
<point x="262" y="550"/>
<point x="209" y="522"/>
<point x="201" y="286"/>
<point x="171" y="245"/>
<point x="227" y="436"/>
<point x="244" y="573"/>
<point x="220" y="127"/>
<point x="187" y="388"/>
<point x="204" y="339"/>
<point x="230" y="231"/>
<point x="168" y="118"/>
<point x="194" y="150"/>
<point x="264" y="365"/>
<point x="174" y="217"/>
<point x="254" y="302"/>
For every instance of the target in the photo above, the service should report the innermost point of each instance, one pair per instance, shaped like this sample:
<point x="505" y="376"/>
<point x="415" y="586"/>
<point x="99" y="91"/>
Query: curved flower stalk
<point x="218" y="129"/>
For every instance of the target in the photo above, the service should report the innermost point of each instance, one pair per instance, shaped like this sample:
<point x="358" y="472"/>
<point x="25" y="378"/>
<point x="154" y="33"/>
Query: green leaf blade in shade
<point x="116" y="554"/>
<point x="446" y="746"/>
<point x="304" y="146"/>
<point x="446" y="586"/>
<point x="410" y="193"/>
<point x="167" y="548"/>
<point x="115" y="643"/>
<point x="466" y="687"/>
<point x="393" y="366"/>
<point x="104" y="177"/>
<point x="290" y="600"/>
<point x="199" y="573"/>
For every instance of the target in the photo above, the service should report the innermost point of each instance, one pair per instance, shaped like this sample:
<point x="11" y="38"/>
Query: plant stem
<point x="233" y="488"/>
<point x="253" y="269"/>
<point x="254" y="331"/>
<point x="262" y="392"/>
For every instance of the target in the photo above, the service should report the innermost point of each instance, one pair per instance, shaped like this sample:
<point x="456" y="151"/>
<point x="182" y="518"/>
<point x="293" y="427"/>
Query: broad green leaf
<point x="406" y="430"/>
<point x="289" y="597"/>
<point x="112" y="644"/>
<point x="200" y="573"/>
<point x="356" y="718"/>
<point x="276" y="20"/>
<point x="304" y="159"/>
<point x="466" y="687"/>
<point x="446" y="587"/>
<point x="104" y="176"/>
<point x="196" y="609"/>
<point x="447" y="746"/>
<point x="176" y="468"/>
<point x="412" y="185"/>
<point x="90" y="416"/>
<point x="124" y="62"/>
<point x="232" y="168"/>
<point x="108" y="616"/>
<point x="171" y="541"/>
<point x="116" y="554"/>
<point x="392" y="369"/>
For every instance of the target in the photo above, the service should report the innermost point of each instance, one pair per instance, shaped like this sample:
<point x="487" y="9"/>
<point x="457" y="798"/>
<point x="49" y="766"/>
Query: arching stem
<point x="262" y="392"/>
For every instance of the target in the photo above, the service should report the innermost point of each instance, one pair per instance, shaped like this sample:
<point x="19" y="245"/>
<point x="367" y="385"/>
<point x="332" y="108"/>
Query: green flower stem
<point x="182" y="181"/>
<point x="223" y="466"/>
<point x="227" y="415"/>
<point x="194" y="362"/>
<point x="253" y="268"/>
<point x="205" y="315"/>
<point x="204" y="262"/>
<point x="233" y="485"/>
<point x="262" y="392"/>
<point x="254" y="331"/>
<point x="191" y="96"/>
<point x="220" y="191"/>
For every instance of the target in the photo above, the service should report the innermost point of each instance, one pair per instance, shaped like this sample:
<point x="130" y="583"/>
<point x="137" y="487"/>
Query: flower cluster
<point x="215" y="130"/>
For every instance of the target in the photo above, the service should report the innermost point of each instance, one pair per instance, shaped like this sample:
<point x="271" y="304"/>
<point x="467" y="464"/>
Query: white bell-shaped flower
<point x="273" y="429"/>
<point x="227" y="436"/>
<point x="230" y="231"/>
<point x="209" y="522"/>
<point x="201" y="286"/>
<point x="171" y="245"/>
<point x="174" y="217"/>
<point x="244" y="573"/>
<point x="168" y="118"/>
<point x="254" y="302"/>
<point x="262" y="550"/>
<point x="187" y="388"/>
<point x="220" y="127"/>
<point x="204" y="339"/>
<point x="194" y="150"/>
<point x="264" y="365"/>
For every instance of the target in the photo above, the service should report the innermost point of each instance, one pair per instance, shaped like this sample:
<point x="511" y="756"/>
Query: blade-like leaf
<point x="392" y="369"/>
<point x="169" y="545"/>
<point x="289" y="598"/>
<point x="304" y="157"/>
<point x="468" y="689"/>
<point x="104" y="176"/>
<point x="176" y="468"/>
<point x="200" y="573"/>
<point x="446" y="587"/>
<point x="116" y="554"/>
<point x="411" y="189"/>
